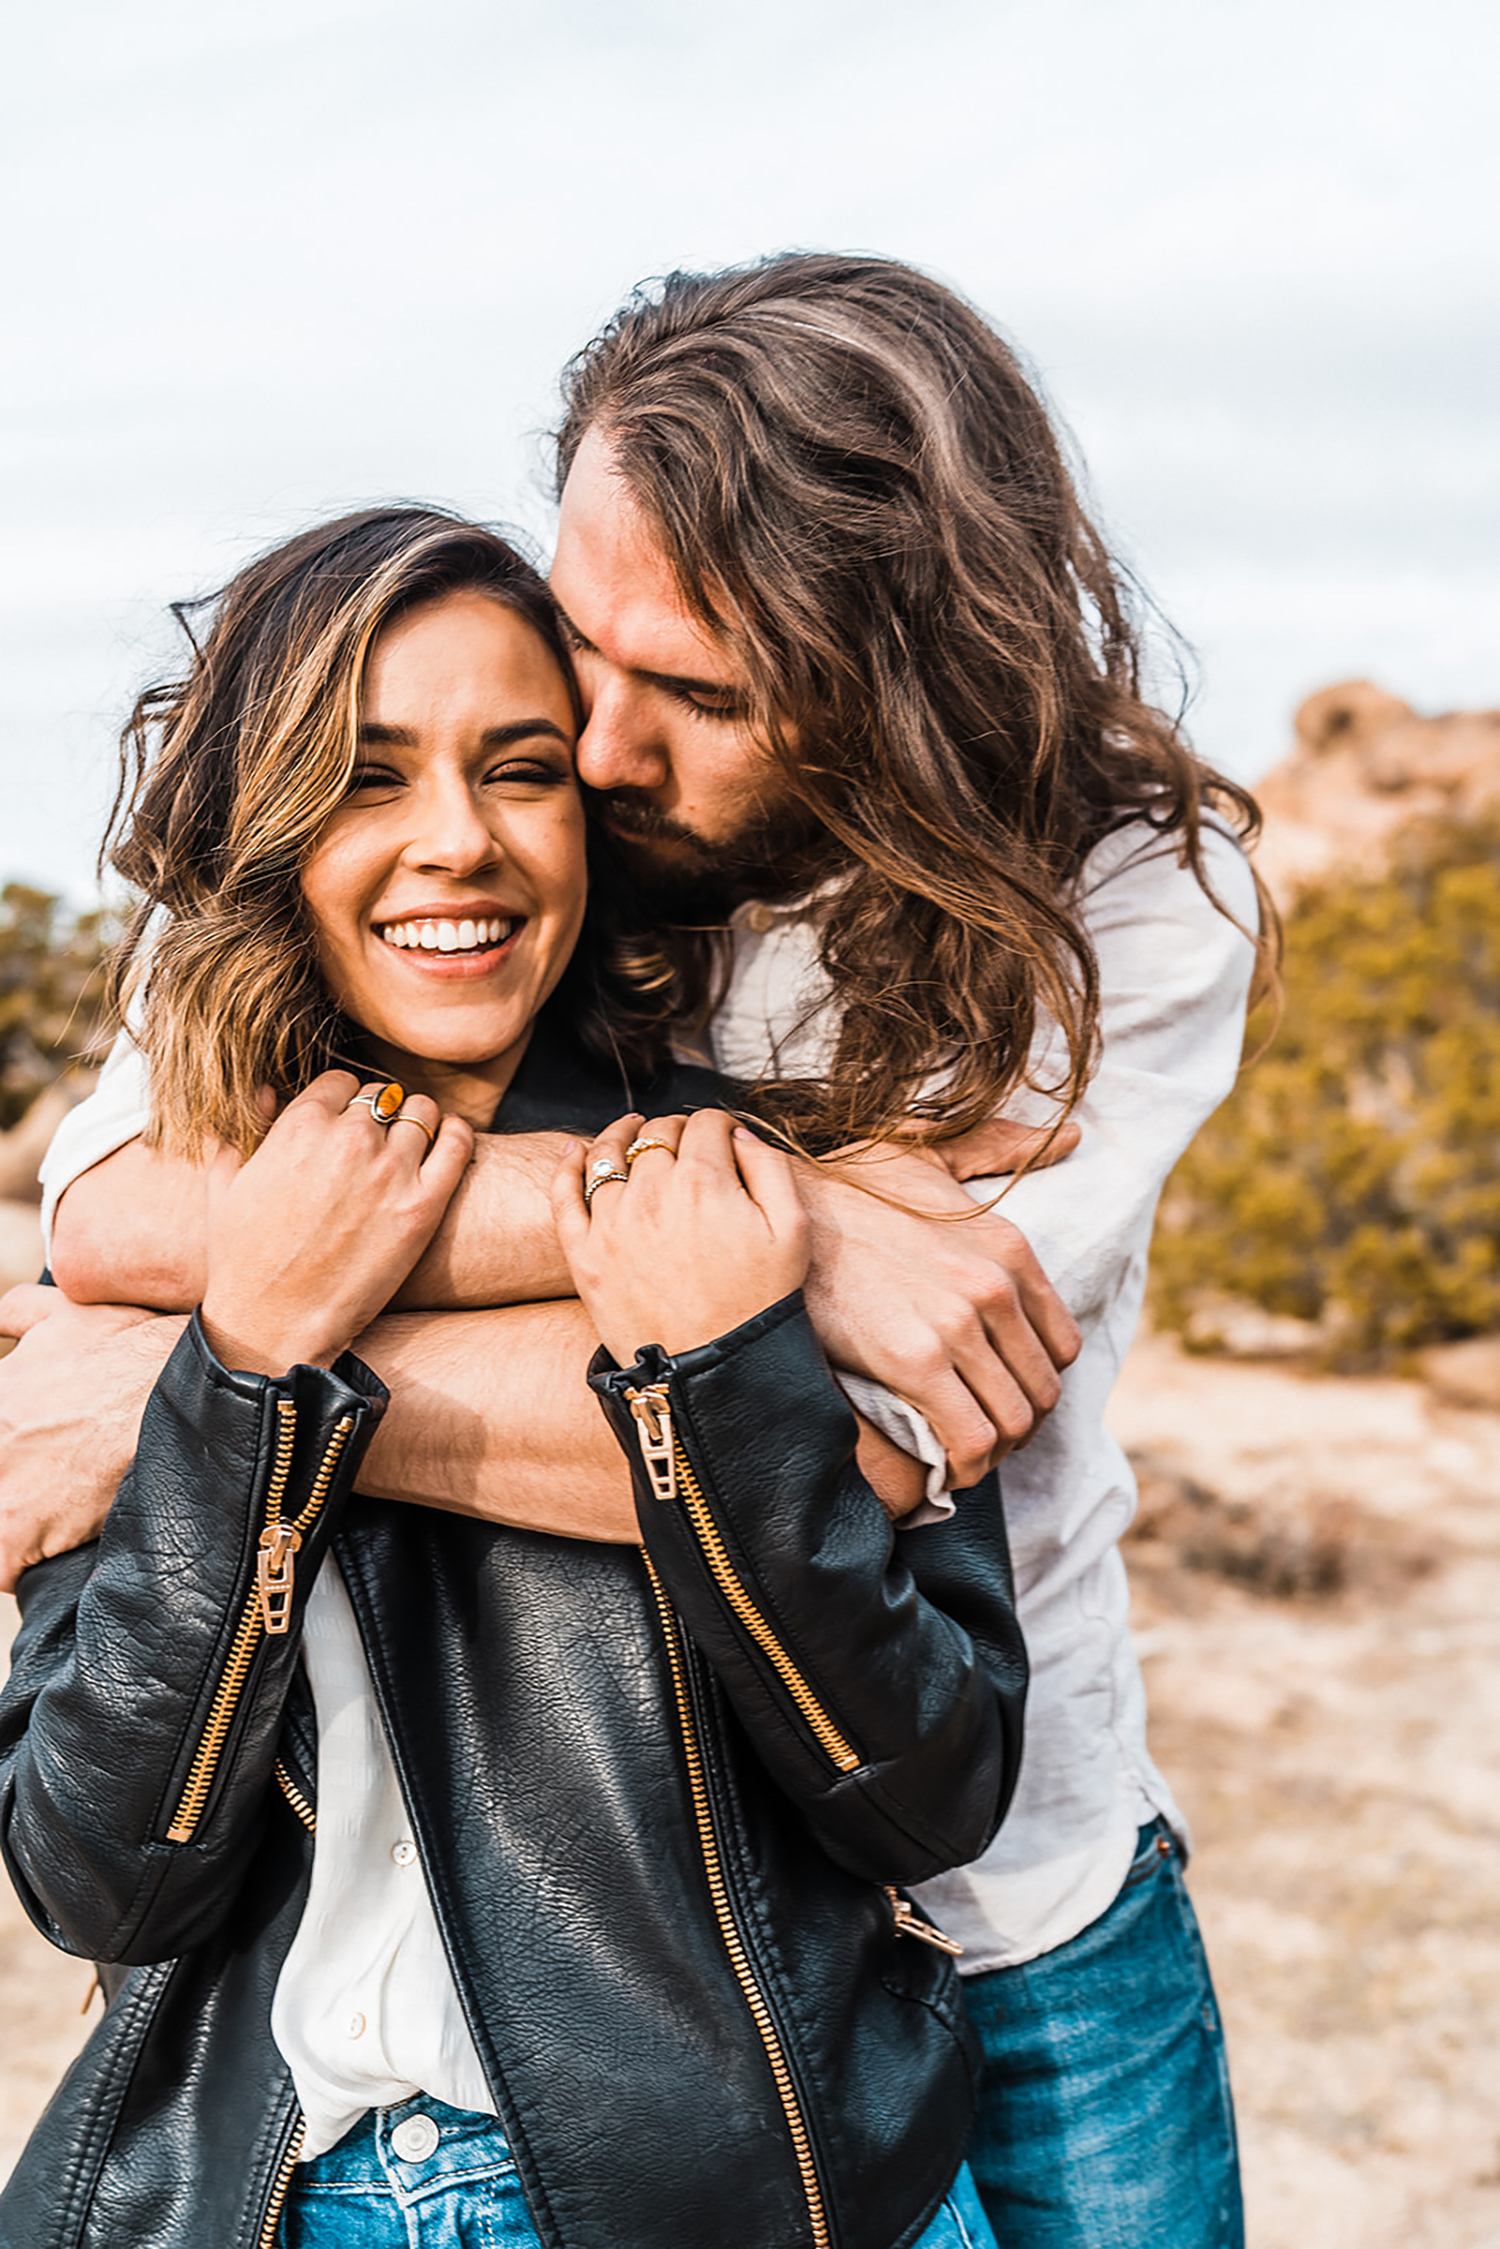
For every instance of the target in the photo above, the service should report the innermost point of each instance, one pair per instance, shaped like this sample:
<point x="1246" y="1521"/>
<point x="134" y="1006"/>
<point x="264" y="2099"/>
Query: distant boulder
<point x="23" y="1147"/>
<point x="1365" y="767"/>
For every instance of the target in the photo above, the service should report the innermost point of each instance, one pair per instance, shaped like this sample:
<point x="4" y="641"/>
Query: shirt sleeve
<point x="1174" y="972"/>
<point x="1174" y="976"/>
<point x="118" y="1109"/>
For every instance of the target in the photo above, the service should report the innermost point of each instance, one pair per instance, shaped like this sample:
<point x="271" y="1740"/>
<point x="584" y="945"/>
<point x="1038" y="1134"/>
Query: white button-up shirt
<point x="1174" y="974"/>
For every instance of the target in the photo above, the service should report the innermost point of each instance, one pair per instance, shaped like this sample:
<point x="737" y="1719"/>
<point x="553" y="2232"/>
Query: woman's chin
<point x="437" y="1040"/>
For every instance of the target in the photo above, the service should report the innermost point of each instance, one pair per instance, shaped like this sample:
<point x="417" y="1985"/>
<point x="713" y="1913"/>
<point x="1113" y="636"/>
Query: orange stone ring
<point x="384" y="1105"/>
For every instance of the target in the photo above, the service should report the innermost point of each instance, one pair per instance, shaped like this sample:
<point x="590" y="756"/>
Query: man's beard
<point x="779" y="852"/>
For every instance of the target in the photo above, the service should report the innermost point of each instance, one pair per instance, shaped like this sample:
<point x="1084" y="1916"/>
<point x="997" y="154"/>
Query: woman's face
<point x="448" y="888"/>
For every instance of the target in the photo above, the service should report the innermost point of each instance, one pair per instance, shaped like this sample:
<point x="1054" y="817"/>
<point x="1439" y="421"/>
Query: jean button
<point x="415" y="2138"/>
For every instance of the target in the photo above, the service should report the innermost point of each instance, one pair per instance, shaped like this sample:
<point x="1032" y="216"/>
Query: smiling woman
<point x="394" y="839"/>
<point x="448" y="886"/>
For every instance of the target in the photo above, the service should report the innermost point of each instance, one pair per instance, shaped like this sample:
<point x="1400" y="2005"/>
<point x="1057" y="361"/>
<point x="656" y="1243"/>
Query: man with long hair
<point x="912" y="851"/>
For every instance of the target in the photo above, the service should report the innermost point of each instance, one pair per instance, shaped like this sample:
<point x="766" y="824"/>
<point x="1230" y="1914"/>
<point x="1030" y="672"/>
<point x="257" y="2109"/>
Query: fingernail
<point x="743" y="1132"/>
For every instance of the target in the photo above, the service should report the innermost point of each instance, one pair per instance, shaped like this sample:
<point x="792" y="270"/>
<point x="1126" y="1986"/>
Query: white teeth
<point x="445" y="936"/>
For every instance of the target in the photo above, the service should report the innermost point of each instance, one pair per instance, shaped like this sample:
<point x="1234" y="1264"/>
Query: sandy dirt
<point x="1318" y="1610"/>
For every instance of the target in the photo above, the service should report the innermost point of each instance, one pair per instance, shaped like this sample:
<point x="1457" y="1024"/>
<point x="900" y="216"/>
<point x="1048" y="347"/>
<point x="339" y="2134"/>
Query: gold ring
<point x="602" y="1172"/>
<point x="405" y="1117"/>
<point x="384" y="1105"/>
<point x="639" y="1147"/>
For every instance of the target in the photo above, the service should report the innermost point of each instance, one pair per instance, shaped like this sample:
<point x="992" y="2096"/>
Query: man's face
<point x="686" y="789"/>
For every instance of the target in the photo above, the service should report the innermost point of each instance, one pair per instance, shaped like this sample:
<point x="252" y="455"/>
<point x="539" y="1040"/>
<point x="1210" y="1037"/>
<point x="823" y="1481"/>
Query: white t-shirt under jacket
<point x="1174" y="975"/>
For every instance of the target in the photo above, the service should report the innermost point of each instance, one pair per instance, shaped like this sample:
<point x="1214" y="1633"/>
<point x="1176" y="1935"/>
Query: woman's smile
<point x="433" y="930"/>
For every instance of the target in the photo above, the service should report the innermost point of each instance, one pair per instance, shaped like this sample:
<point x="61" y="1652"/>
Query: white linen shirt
<point x="1174" y="975"/>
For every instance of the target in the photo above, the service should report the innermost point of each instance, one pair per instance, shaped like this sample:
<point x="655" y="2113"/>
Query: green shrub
<point x="51" y="992"/>
<point x="1353" y="1177"/>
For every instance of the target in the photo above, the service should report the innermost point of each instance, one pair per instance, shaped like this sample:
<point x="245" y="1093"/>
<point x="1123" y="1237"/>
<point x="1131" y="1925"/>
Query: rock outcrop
<point x="1365" y="766"/>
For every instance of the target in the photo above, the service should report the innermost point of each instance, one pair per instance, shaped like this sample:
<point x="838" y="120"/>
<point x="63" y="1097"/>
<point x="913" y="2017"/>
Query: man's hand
<point x="940" y="1300"/>
<point x="71" y="1397"/>
<point x="998" y="1146"/>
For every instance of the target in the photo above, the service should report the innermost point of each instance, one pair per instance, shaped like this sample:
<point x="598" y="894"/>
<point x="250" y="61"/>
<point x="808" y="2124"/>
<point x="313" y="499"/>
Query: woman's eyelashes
<point x="514" y="773"/>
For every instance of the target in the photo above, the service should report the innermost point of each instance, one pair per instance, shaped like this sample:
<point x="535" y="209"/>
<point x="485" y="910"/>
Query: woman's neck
<point x="471" y="1090"/>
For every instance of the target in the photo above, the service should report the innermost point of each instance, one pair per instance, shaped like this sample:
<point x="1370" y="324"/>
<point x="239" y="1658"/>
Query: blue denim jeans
<point x="1105" y="2116"/>
<point x="465" y="2194"/>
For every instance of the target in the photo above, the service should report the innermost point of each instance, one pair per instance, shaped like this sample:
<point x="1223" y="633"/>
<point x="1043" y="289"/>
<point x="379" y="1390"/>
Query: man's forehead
<point x="613" y="580"/>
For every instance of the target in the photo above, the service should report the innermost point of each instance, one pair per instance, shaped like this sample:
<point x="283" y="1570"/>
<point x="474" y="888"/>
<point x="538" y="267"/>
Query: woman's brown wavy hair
<point x="861" y="494"/>
<point x="227" y="775"/>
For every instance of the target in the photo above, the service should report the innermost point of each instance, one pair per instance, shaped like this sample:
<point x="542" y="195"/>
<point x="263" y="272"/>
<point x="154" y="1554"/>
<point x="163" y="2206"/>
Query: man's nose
<point x="622" y="745"/>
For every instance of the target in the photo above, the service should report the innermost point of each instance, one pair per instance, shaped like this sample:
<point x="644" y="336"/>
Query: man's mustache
<point x="633" y="813"/>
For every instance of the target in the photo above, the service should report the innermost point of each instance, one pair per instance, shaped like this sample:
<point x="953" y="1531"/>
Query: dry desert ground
<point x="1318" y="1610"/>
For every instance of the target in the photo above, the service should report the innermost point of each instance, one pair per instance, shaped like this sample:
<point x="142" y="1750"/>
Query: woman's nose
<point x="452" y="834"/>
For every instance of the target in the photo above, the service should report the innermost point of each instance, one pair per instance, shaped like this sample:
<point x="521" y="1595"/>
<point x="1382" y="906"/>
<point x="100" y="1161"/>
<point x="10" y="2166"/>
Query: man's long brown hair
<point x="863" y="497"/>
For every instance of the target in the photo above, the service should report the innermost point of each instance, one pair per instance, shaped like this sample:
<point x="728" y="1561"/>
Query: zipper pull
<point x="653" y="1426"/>
<point x="274" y="1575"/>
<point x="909" y="1923"/>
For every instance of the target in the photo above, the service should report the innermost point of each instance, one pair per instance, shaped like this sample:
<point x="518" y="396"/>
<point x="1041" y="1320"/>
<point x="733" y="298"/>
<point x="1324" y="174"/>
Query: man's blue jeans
<point x="1105" y="2116"/>
<point x="463" y="2193"/>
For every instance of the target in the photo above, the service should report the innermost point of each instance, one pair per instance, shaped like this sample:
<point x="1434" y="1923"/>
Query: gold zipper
<point x="734" y="1943"/>
<point x="296" y="1799"/>
<point x="258" y="1615"/>
<point x="653" y="1412"/>
<point x="281" y="2186"/>
<point x="910" y="1923"/>
<point x="653" y="1427"/>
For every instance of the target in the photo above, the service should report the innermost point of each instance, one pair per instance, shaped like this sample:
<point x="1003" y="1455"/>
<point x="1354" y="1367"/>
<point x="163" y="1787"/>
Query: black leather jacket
<point x="663" y="1798"/>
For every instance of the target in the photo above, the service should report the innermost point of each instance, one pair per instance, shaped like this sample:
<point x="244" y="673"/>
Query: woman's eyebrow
<point x="374" y="735"/>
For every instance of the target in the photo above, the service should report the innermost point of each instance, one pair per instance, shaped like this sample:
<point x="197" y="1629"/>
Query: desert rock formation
<point x="1365" y="766"/>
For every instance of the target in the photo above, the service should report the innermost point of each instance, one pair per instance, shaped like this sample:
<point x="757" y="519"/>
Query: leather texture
<point x="535" y="1720"/>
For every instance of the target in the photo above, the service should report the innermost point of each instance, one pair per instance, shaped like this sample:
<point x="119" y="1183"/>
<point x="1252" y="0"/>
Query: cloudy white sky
<point x="267" y="258"/>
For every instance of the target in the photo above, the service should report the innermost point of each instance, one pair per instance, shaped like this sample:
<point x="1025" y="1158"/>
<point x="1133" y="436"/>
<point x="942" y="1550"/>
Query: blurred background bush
<point x="51" y="993"/>
<point x="1351" y="1181"/>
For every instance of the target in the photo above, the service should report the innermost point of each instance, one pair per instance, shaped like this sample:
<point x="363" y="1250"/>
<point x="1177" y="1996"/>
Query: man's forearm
<point x="491" y="1415"/>
<point x="133" y="1230"/>
<point x="497" y="1243"/>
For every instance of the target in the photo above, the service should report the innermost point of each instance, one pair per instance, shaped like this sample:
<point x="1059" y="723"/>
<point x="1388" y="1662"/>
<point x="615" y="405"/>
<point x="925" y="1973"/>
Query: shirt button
<point x="356" y="2025"/>
<point x="404" y="1852"/>
<point x="759" y="918"/>
<point x="414" y="2138"/>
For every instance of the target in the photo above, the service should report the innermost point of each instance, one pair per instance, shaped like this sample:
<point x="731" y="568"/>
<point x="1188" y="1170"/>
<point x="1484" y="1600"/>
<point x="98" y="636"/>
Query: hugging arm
<point x="489" y="1417"/>
<point x="959" y="1319"/>
<point x="139" y="1725"/>
<point x="133" y="1228"/>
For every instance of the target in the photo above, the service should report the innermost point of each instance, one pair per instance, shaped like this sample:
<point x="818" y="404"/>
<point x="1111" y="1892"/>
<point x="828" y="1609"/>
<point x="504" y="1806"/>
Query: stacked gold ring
<point x="639" y="1147"/>
<point x="404" y="1116"/>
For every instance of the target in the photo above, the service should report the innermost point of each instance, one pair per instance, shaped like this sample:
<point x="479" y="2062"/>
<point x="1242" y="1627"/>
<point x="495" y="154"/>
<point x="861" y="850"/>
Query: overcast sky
<point x="263" y="260"/>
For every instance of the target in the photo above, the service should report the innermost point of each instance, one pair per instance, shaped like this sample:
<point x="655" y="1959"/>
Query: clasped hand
<point x="692" y="1226"/>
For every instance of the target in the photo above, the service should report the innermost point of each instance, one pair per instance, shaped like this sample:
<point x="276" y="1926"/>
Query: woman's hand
<point x="310" y="1238"/>
<point x="705" y="1229"/>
